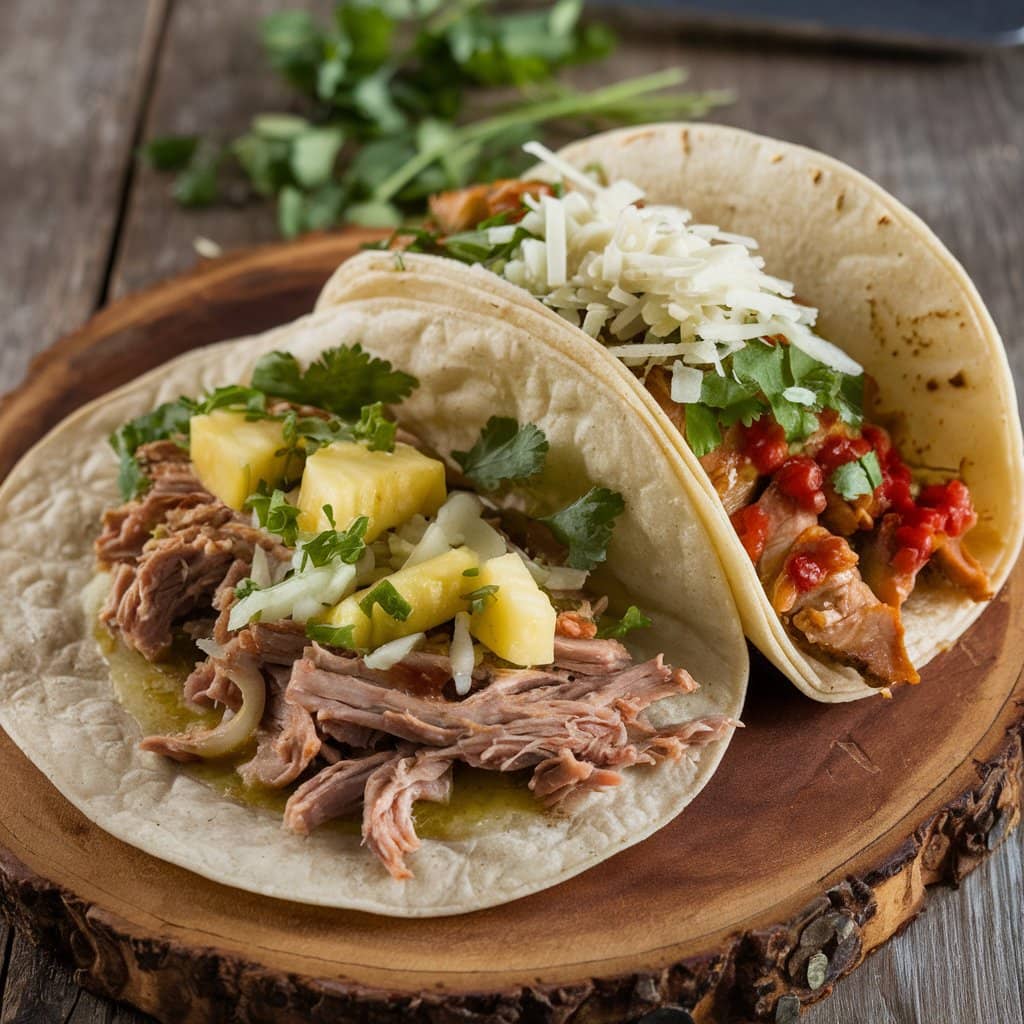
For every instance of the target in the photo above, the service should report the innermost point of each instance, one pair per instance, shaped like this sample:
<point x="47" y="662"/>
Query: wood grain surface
<point x="945" y="135"/>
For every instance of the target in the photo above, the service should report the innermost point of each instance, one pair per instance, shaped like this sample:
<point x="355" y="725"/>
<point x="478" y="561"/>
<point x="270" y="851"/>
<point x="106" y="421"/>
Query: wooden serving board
<point x="819" y="834"/>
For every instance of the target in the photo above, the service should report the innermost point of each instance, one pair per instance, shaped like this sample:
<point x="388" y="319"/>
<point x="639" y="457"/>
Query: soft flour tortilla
<point x="56" y="698"/>
<point x="889" y="293"/>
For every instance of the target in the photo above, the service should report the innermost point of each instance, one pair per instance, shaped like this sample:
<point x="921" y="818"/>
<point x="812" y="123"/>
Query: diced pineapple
<point x="518" y="621"/>
<point x="389" y="487"/>
<point x="433" y="588"/>
<point x="232" y="455"/>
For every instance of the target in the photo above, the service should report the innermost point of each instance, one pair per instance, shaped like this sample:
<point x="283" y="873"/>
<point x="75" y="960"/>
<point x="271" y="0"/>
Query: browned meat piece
<point x="286" y="741"/>
<point x="593" y="657"/>
<point x="787" y="520"/>
<point x="961" y="568"/>
<point x="463" y="209"/>
<point x="848" y="517"/>
<point x="391" y="791"/>
<point x="876" y="552"/>
<point x="332" y="793"/>
<point x="840" y="616"/>
<point x="733" y="475"/>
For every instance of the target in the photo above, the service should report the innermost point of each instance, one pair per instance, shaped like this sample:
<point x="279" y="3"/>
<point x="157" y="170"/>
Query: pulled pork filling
<point x="346" y="737"/>
<point x="820" y="498"/>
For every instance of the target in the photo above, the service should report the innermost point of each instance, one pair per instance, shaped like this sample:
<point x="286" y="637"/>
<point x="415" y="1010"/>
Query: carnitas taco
<point x="824" y="365"/>
<point x="416" y="665"/>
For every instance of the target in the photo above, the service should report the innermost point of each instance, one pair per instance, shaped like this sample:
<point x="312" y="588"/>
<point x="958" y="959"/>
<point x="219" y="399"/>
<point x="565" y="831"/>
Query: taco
<point x="450" y="655"/>
<point x="855" y="432"/>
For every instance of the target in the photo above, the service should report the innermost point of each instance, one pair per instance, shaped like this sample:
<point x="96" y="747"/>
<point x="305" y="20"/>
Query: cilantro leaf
<point x="274" y="513"/>
<point x="342" y="380"/>
<point x="170" y="420"/>
<point x="390" y="600"/>
<point x="243" y="588"/>
<point x="633" y="619"/>
<point x="478" y="598"/>
<point x="702" y="431"/>
<point x="334" y="636"/>
<point x="375" y="428"/>
<point x="585" y="527"/>
<point x="344" y="545"/>
<point x="505" y="451"/>
<point x="861" y="476"/>
<point x="252" y="400"/>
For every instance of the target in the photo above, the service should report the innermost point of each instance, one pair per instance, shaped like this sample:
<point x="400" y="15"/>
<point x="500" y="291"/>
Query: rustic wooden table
<point x="84" y="223"/>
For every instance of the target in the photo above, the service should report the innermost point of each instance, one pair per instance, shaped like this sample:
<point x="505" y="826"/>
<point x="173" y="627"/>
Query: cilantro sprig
<point x="860" y="476"/>
<point x="632" y="619"/>
<point x="334" y="544"/>
<point x="275" y="513"/>
<point x="771" y="378"/>
<point x="386" y="84"/>
<point x="504" y="452"/>
<point x="585" y="527"/>
<point x="342" y="380"/>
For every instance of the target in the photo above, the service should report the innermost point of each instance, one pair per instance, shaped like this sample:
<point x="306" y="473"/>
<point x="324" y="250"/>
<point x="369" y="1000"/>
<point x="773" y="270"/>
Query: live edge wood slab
<point x="820" y="834"/>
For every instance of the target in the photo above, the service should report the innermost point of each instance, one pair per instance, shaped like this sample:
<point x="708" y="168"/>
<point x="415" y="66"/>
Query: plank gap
<point x="154" y="34"/>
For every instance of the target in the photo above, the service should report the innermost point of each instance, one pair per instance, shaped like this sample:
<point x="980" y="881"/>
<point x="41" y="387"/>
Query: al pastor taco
<point x="822" y="363"/>
<point x="415" y="664"/>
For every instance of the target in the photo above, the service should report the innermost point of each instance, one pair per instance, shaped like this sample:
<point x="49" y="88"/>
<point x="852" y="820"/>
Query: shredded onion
<point x="461" y="654"/>
<point x="389" y="654"/>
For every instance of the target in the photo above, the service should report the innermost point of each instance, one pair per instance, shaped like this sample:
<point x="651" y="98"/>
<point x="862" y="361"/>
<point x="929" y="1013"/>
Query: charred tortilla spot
<point x="884" y="219"/>
<point x="840" y="200"/>
<point x="958" y="380"/>
<point x="777" y="158"/>
<point x="685" y="137"/>
<point x="932" y="384"/>
<point x="816" y="176"/>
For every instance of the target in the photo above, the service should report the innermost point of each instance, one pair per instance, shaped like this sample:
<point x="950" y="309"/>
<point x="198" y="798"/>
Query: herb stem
<point x="572" y="105"/>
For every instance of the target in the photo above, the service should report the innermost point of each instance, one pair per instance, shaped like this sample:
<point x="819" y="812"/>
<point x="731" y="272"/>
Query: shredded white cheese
<point x="640" y="273"/>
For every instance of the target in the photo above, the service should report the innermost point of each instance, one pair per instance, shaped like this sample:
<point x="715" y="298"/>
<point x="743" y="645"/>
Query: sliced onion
<point x="461" y="654"/>
<point x="299" y="597"/>
<point x="235" y="730"/>
<point x="260" y="572"/>
<point x="687" y="383"/>
<point x="389" y="654"/>
<point x="562" y="577"/>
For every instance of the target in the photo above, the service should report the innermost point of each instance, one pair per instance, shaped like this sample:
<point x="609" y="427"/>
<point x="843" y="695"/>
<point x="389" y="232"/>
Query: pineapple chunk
<point x="232" y="455"/>
<point x="518" y="622"/>
<point x="434" y="588"/>
<point x="389" y="487"/>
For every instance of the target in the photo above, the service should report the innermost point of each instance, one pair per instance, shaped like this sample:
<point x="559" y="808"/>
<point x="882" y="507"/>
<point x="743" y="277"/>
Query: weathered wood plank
<point x="71" y="77"/>
<point x="212" y="78"/>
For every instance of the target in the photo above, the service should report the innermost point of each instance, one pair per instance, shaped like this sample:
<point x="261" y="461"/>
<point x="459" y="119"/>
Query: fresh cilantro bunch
<point x="386" y="85"/>
<point x="775" y="378"/>
<point x="345" y="381"/>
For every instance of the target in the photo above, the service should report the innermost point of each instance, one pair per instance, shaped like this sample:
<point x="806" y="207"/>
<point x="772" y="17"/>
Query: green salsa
<point x="481" y="802"/>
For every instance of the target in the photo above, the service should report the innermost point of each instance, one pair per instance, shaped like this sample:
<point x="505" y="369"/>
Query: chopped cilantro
<point x="479" y="597"/>
<point x="169" y="420"/>
<point x="342" y="545"/>
<point x="390" y="600"/>
<point x="861" y="476"/>
<point x="334" y="636"/>
<point x="245" y="587"/>
<point x="505" y="451"/>
<point x="471" y="572"/>
<point x="702" y="431"/>
<point x="274" y="513"/>
<point x="585" y="527"/>
<point x="779" y="378"/>
<point x="342" y="380"/>
<point x="633" y="619"/>
<point x="375" y="428"/>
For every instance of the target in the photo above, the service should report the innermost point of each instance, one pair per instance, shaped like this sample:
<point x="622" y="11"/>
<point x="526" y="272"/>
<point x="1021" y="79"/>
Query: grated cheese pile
<point x="646" y="276"/>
